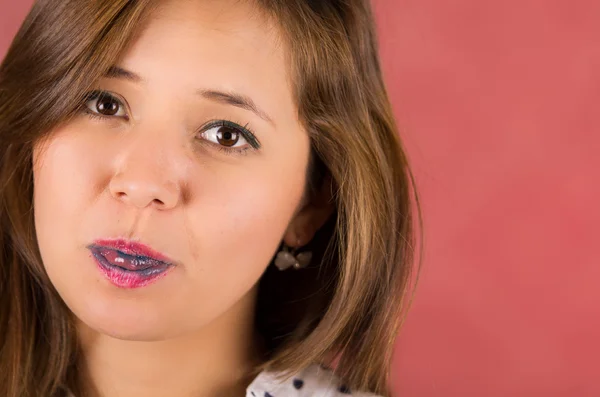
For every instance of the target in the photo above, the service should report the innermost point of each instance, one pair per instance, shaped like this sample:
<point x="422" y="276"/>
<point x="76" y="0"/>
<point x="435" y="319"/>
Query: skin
<point x="151" y="174"/>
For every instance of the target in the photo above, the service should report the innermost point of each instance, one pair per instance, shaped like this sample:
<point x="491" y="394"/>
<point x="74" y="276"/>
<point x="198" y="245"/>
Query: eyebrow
<point x="234" y="99"/>
<point x="224" y="97"/>
<point x="116" y="72"/>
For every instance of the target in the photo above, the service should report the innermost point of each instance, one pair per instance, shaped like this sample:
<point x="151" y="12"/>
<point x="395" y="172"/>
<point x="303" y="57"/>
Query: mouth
<point x="128" y="264"/>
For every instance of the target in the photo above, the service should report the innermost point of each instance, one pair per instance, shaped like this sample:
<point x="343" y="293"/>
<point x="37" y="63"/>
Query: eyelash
<point x="244" y="131"/>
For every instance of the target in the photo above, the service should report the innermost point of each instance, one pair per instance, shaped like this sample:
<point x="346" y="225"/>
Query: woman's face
<point x="195" y="151"/>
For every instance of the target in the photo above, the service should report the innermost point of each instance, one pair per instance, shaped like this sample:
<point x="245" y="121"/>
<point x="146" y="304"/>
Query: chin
<point x="127" y="330"/>
<point x="131" y="335"/>
<point x="126" y="320"/>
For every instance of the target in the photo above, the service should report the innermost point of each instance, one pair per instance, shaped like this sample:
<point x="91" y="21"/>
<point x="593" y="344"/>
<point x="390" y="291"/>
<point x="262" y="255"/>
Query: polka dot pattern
<point x="298" y="383"/>
<point x="315" y="381"/>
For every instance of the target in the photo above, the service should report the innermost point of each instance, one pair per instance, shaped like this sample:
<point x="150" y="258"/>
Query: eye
<point x="224" y="136"/>
<point x="229" y="135"/>
<point x="105" y="104"/>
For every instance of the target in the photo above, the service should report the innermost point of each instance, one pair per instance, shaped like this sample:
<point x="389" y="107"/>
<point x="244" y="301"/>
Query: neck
<point x="216" y="361"/>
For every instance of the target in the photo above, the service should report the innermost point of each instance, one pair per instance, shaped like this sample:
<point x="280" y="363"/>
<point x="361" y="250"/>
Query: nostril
<point x="120" y="196"/>
<point x="158" y="202"/>
<point x="144" y="192"/>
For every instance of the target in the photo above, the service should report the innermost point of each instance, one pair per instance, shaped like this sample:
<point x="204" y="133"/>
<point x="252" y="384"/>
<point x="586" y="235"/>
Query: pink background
<point x="499" y="105"/>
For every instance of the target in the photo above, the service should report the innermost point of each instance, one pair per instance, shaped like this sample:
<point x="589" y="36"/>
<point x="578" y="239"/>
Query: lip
<point x="129" y="264"/>
<point x="132" y="248"/>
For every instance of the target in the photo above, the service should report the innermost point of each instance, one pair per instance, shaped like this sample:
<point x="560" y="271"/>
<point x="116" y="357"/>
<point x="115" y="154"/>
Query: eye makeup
<point x="105" y="105"/>
<point x="224" y="129"/>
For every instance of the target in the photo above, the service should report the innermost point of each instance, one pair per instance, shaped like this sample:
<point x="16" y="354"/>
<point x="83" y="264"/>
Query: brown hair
<point x="348" y="306"/>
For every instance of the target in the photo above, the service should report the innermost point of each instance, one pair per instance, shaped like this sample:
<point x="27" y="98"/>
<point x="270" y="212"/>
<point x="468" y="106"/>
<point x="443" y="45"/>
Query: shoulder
<point x="314" y="381"/>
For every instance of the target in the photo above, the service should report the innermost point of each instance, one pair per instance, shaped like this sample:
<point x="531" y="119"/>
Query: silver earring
<point x="287" y="258"/>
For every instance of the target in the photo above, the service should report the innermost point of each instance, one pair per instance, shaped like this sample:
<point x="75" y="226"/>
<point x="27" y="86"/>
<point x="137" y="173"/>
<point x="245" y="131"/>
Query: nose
<point x="143" y="192"/>
<point x="145" y="178"/>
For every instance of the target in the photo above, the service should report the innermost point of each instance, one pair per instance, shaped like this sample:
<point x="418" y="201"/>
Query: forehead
<point x="225" y="44"/>
<point x="240" y="21"/>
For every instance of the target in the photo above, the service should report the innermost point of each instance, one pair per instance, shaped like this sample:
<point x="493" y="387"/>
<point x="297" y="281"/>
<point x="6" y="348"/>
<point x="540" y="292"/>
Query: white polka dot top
<point x="313" y="381"/>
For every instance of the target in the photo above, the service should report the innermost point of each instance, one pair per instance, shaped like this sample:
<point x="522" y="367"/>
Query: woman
<point x="199" y="198"/>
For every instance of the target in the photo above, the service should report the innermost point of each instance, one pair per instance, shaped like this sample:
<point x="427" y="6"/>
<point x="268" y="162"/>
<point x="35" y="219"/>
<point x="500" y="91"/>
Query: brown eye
<point x="104" y="104"/>
<point x="107" y="105"/>
<point x="227" y="136"/>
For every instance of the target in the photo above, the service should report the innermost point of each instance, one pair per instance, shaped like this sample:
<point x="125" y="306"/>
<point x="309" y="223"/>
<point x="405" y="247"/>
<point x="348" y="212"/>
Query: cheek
<point x="62" y="187"/>
<point x="242" y="211"/>
<point x="66" y="187"/>
<point x="240" y="218"/>
<point x="237" y="224"/>
<point x="256" y="213"/>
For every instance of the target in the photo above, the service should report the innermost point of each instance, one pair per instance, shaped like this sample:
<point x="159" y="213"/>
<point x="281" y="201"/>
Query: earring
<point x="287" y="258"/>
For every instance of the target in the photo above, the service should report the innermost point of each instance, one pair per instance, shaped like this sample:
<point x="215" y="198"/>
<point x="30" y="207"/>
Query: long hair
<point x="344" y="310"/>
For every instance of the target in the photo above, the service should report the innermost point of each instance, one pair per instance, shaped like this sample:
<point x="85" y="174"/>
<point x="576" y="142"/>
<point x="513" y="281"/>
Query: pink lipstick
<point x="128" y="264"/>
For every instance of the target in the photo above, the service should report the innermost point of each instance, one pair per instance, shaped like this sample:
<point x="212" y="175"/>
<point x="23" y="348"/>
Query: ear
<point x="312" y="214"/>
